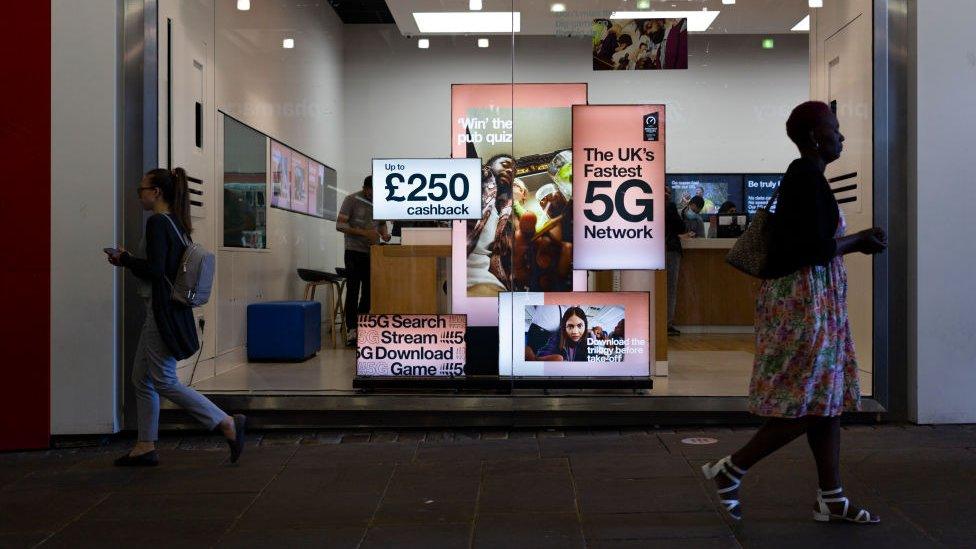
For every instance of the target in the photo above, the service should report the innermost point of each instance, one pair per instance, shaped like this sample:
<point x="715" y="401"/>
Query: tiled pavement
<point x="485" y="489"/>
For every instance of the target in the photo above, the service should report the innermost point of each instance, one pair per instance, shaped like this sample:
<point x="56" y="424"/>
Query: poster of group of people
<point x="640" y="44"/>
<point x="523" y="240"/>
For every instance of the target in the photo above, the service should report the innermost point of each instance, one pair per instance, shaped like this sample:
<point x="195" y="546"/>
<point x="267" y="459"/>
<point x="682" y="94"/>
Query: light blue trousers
<point x="154" y="375"/>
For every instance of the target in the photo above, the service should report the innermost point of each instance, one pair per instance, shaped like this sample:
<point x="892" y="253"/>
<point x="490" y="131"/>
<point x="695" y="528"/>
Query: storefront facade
<point x="246" y="99"/>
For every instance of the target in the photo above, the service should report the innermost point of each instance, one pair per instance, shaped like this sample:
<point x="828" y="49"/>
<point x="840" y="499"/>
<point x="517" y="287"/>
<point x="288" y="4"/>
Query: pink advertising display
<point x="619" y="184"/>
<point x="411" y="345"/>
<point x="575" y="334"/>
<point x="299" y="183"/>
<point x="280" y="176"/>
<point x="523" y="239"/>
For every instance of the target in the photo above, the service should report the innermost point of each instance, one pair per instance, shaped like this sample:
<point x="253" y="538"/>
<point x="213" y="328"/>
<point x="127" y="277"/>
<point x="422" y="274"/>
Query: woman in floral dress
<point x="805" y="373"/>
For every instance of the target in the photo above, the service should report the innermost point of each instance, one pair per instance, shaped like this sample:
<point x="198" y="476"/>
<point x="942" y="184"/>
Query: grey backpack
<point x="194" y="278"/>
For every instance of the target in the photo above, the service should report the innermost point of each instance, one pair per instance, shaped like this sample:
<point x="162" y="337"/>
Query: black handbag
<point x="751" y="252"/>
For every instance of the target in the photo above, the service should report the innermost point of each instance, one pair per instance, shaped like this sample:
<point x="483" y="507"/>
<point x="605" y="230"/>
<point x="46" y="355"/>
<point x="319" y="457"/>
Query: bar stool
<point x="336" y="311"/>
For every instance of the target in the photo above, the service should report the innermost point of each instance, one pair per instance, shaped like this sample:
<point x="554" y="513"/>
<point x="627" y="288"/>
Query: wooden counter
<point x="403" y="279"/>
<point x="710" y="291"/>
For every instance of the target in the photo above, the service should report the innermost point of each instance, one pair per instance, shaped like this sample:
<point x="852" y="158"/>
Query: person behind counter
<point x="674" y="231"/>
<point x="727" y="207"/>
<point x="692" y="216"/>
<point x="355" y="221"/>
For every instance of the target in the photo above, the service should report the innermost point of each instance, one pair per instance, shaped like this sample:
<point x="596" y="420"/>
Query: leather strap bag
<point x="751" y="252"/>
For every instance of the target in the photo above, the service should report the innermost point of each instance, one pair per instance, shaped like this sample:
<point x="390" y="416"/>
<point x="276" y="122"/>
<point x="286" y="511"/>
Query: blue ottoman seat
<point x="283" y="330"/>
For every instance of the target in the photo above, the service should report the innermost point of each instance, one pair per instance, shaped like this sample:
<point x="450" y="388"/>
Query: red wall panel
<point x="25" y="225"/>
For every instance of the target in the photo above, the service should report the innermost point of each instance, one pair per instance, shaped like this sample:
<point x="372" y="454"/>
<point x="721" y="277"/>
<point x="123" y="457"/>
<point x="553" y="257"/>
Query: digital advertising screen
<point x="759" y="189"/>
<point x="575" y="334"/>
<point x="315" y="181"/>
<point x="330" y="207"/>
<point x="299" y="188"/>
<point x="280" y="176"/>
<point x="715" y="190"/>
<point x="619" y="185"/>
<point x="522" y="238"/>
<point x="409" y="189"/>
<point x="411" y="345"/>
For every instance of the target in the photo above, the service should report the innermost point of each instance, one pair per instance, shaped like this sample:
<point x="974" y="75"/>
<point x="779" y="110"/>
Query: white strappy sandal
<point x="823" y="514"/>
<point x="725" y="467"/>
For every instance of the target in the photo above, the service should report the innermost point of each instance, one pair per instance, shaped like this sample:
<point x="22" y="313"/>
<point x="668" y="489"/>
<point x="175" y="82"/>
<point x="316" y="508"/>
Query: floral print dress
<point x="805" y="363"/>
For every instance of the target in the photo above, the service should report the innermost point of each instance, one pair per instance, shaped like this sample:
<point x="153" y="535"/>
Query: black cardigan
<point x="805" y="222"/>
<point x="164" y="250"/>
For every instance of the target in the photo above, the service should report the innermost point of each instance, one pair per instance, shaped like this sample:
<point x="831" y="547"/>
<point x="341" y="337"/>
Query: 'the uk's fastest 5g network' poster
<point x="618" y="182"/>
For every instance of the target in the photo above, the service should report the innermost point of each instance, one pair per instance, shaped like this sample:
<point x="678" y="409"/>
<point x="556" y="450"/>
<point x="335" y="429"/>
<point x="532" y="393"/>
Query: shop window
<point x="245" y="186"/>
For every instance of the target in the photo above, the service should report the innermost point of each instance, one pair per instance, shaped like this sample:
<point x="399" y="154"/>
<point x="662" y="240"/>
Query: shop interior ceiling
<point x="744" y="17"/>
<point x="361" y="12"/>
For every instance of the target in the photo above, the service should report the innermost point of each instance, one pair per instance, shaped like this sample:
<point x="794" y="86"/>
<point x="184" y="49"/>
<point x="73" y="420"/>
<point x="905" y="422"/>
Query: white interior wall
<point x="726" y="113"/>
<point x="294" y="96"/>
<point x="942" y="115"/>
<point x="84" y="179"/>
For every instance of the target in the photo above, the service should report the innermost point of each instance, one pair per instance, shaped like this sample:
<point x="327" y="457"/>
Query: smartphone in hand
<point x="111" y="251"/>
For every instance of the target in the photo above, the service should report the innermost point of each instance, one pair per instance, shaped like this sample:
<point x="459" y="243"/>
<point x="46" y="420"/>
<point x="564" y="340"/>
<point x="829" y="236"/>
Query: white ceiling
<point x="745" y="17"/>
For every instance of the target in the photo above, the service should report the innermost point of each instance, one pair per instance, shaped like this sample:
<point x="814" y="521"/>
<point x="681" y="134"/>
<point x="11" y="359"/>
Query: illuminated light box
<point x="575" y="334"/>
<point x="426" y="188"/>
<point x="411" y="345"/>
<point x="523" y="239"/>
<point x="618" y="185"/>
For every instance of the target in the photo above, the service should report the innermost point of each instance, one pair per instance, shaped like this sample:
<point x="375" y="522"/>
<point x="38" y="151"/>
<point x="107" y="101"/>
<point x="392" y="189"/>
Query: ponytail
<point x="176" y="192"/>
<point x="181" y="199"/>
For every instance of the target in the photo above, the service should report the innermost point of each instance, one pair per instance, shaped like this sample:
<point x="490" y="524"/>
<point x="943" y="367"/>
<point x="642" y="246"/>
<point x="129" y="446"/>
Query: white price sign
<point x="426" y="188"/>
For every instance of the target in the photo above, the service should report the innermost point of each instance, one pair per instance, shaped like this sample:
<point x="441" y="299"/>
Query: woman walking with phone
<point x="168" y="333"/>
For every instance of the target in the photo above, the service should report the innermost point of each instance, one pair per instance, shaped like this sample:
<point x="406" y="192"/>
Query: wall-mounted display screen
<point x="330" y="196"/>
<point x="759" y="189"/>
<point x="715" y="190"/>
<point x="575" y="334"/>
<point x="302" y="185"/>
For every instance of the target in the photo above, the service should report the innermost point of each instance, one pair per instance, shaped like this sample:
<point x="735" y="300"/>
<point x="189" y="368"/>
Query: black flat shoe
<point x="149" y="459"/>
<point x="237" y="445"/>
<point x="672" y="331"/>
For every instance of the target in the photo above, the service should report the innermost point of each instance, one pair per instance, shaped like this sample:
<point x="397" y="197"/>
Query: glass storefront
<point x="576" y="120"/>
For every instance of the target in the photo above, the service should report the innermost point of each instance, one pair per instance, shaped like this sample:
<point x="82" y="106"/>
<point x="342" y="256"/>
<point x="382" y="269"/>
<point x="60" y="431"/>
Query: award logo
<point x="650" y="126"/>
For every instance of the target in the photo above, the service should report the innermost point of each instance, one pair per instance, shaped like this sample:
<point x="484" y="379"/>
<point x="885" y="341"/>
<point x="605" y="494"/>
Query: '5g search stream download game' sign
<point x="618" y="187"/>
<point x="426" y="188"/>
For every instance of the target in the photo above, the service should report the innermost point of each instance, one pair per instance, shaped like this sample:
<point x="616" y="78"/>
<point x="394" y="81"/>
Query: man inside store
<point x="355" y="221"/>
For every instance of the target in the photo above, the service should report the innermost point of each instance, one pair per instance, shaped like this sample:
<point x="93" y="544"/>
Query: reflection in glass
<point x="245" y="186"/>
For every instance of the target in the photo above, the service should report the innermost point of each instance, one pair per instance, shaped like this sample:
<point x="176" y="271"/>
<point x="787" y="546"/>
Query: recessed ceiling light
<point x="471" y="22"/>
<point x="698" y="21"/>
<point x="474" y="5"/>
<point x="243" y="5"/>
<point x="482" y="42"/>
<point x="288" y="43"/>
<point x="423" y="43"/>
<point x="816" y="3"/>
<point x="728" y="2"/>
<point x="643" y="4"/>
<point x="803" y="25"/>
<point x="558" y="7"/>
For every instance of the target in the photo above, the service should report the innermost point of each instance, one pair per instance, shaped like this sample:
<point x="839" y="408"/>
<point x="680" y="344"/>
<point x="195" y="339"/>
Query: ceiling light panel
<point x="466" y="22"/>
<point x="698" y="21"/>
